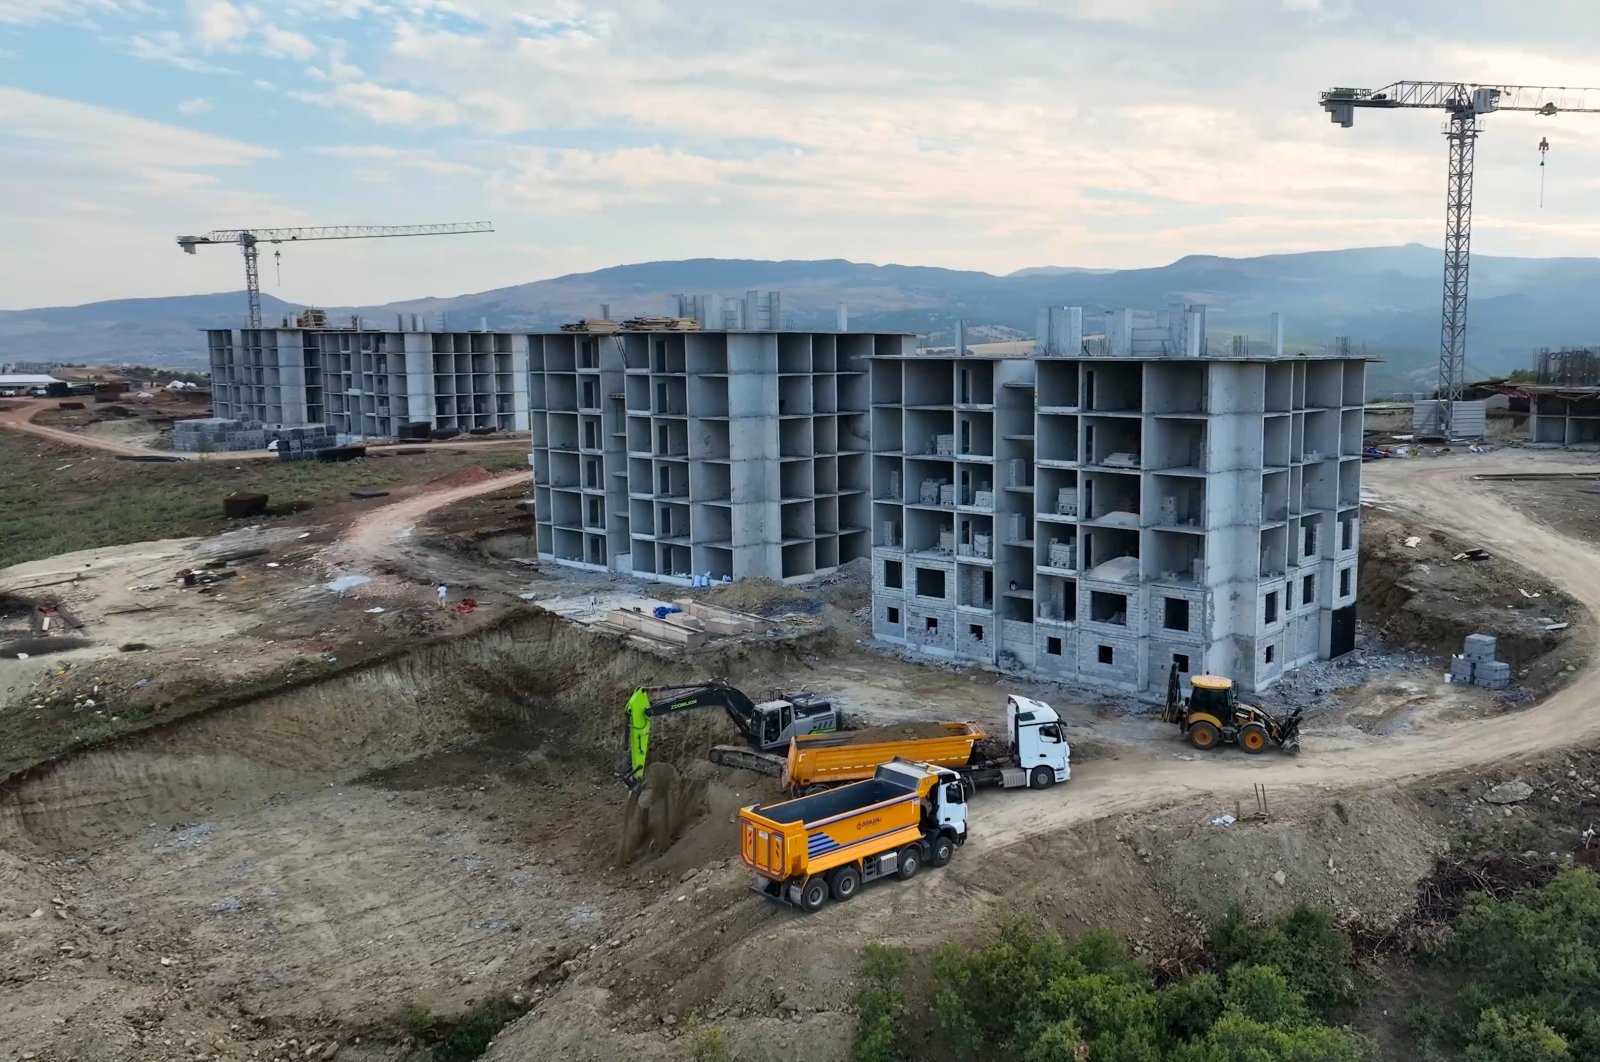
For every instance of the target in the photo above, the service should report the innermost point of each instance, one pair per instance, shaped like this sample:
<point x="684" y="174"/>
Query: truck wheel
<point x="814" y="789"/>
<point x="909" y="862"/>
<point x="814" y="894"/>
<point x="1253" y="738"/>
<point x="944" y="849"/>
<point x="1203" y="735"/>
<point x="846" y="880"/>
<point x="1041" y="778"/>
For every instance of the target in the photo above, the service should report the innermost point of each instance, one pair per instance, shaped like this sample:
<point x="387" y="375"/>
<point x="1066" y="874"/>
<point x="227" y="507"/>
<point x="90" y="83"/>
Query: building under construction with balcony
<point x="1106" y="512"/>
<point x="371" y="383"/>
<point x="703" y="454"/>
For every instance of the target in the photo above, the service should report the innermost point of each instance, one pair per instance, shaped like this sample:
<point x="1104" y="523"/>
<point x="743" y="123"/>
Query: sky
<point x="976" y="134"/>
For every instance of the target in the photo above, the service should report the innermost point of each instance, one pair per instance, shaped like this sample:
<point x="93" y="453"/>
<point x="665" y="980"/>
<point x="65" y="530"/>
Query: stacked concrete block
<point x="1067" y="501"/>
<point x="894" y="485"/>
<point x="944" y="445"/>
<point x="217" y="433"/>
<point x="983" y="499"/>
<point x="947" y="494"/>
<point x="929" y="492"/>
<point x="1477" y="666"/>
<point x="1016" y="473"/>
<point x="1063" y="554"/>
<point x="302" y="443"/>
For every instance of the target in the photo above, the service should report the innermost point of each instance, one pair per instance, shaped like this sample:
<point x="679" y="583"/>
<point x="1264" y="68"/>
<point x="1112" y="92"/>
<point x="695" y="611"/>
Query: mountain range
<point x="1386" y="298"/>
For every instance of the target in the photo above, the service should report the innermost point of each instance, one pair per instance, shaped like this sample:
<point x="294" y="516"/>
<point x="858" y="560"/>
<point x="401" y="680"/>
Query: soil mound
<point x="462" y="477"/>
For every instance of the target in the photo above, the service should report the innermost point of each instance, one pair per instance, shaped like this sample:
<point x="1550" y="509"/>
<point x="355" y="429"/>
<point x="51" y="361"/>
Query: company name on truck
<point x="866" y="824"/>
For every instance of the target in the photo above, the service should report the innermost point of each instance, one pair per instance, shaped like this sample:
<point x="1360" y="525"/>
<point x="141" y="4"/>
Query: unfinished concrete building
<point x="368" y="383"/>
<point x="677" y="455"/>
<point x="1106" y="518"/>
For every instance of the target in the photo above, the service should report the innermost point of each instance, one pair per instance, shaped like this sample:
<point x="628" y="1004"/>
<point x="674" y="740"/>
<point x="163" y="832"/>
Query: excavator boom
<point x="649" y="702"/>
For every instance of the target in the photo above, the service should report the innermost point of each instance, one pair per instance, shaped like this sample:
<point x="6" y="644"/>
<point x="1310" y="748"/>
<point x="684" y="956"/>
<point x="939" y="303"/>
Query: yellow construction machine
<point x="1212" y="715"/>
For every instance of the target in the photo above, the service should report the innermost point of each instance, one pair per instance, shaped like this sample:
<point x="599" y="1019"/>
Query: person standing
<point x="444" y="595"/>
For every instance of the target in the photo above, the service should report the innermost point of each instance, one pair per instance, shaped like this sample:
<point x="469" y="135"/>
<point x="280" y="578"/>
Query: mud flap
<point x="774" y="890"/>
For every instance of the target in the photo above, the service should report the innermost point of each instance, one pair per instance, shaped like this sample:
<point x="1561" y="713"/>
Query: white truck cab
<point x="1038" y="741"/>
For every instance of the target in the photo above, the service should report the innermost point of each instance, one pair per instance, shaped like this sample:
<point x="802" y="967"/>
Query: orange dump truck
<point x="826" y="845"/>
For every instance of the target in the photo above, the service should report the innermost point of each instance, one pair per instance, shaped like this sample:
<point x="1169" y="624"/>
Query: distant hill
<point x="1386" y="297"/>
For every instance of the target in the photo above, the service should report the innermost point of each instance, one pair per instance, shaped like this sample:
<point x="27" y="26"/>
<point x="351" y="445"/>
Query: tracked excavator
<point x="1212" y="715"/>
<point x="766" y="727"/>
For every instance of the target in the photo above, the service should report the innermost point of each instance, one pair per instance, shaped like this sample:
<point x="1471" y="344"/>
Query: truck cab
<point x="1038" y="741"/>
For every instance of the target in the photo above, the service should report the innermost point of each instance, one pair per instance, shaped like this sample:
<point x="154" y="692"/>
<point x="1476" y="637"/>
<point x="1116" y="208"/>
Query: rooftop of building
<point x="950" y="355"/>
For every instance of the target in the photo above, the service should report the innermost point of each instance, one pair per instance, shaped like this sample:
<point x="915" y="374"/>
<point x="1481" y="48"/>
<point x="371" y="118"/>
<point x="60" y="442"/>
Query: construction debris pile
<point x="1477" y="666"/>
<point x="607" y="326"/>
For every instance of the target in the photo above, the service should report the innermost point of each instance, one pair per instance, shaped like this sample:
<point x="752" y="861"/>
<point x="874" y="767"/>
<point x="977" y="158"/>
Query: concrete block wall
<point x="725" y="453"/>
<point x="1222" y="465"/>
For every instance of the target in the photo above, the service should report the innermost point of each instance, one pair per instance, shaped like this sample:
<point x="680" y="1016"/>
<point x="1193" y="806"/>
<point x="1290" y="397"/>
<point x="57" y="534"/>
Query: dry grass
<point x="57" y="498"/>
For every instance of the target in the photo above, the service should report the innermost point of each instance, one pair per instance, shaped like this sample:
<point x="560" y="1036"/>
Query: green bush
<point x="1528" y="969"/>
<point x="880" y="1003"/>
<point x="1302" y="944"/>
<point x="1030" y="996"/>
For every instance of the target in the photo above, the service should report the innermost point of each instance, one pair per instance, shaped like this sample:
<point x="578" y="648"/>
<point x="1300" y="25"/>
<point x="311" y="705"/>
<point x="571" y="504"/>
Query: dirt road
<point x="20" y="413"/>
<point x="1437" y="493"/>
<point x="380" y="538"/>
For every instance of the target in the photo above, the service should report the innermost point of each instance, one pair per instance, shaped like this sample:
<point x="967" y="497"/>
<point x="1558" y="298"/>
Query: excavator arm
<point x="649" y="702"/>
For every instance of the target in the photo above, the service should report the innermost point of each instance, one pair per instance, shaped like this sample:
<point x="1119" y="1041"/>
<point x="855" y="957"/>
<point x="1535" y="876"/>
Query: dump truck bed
<point x="855" y="755"/>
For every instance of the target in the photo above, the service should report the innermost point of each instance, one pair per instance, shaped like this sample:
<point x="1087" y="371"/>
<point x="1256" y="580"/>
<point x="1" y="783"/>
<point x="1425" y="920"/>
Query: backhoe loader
<point x="1212" y="715"/>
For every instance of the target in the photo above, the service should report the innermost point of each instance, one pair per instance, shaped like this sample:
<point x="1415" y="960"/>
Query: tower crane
<point x="1464" y="105"/>
<point x="248" y="239"/>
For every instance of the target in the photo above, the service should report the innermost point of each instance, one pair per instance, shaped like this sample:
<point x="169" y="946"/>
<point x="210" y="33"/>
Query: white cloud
<point x="82" y="12"/>
<point x="217" y="23"/>
<point x="104" y="133"/>
<point x="198" y="105"/>
<point x="62" y="161"/>
<point x="386" y="157"/>
<point x="168" y="47"/>
<point x="388" y="106"/>
<point x="286" y="44"/>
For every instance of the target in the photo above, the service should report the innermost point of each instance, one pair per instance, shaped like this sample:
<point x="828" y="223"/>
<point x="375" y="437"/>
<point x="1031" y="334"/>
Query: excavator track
<point x="748" y="759"/>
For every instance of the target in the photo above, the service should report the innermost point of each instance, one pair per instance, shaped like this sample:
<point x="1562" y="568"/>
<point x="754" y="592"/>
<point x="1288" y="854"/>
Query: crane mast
<point x="248" y="241"/>
<point x="1464" y="104"/>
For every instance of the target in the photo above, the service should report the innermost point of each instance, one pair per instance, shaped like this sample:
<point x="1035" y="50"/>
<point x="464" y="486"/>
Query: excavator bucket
<point x="1289" y="733"/>
<point x="638" y="735"/>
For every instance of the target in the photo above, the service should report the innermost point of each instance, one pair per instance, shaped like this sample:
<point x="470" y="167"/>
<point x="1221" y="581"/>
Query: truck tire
<point x="941" y="850"/>
<point x="846" y="883"/>
<point x="909" y="862"/>
<point x="1253" y="738"/>
<point x="1203" y="736"/>
<point x="814" y="894"/>
<point x="1041" y="778"/>
<point x="814" y="788"/>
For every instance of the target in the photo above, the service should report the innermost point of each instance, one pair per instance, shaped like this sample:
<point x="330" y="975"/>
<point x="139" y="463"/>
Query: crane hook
<point x="277" y="261"/>
<point x="1544" y="149"/>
